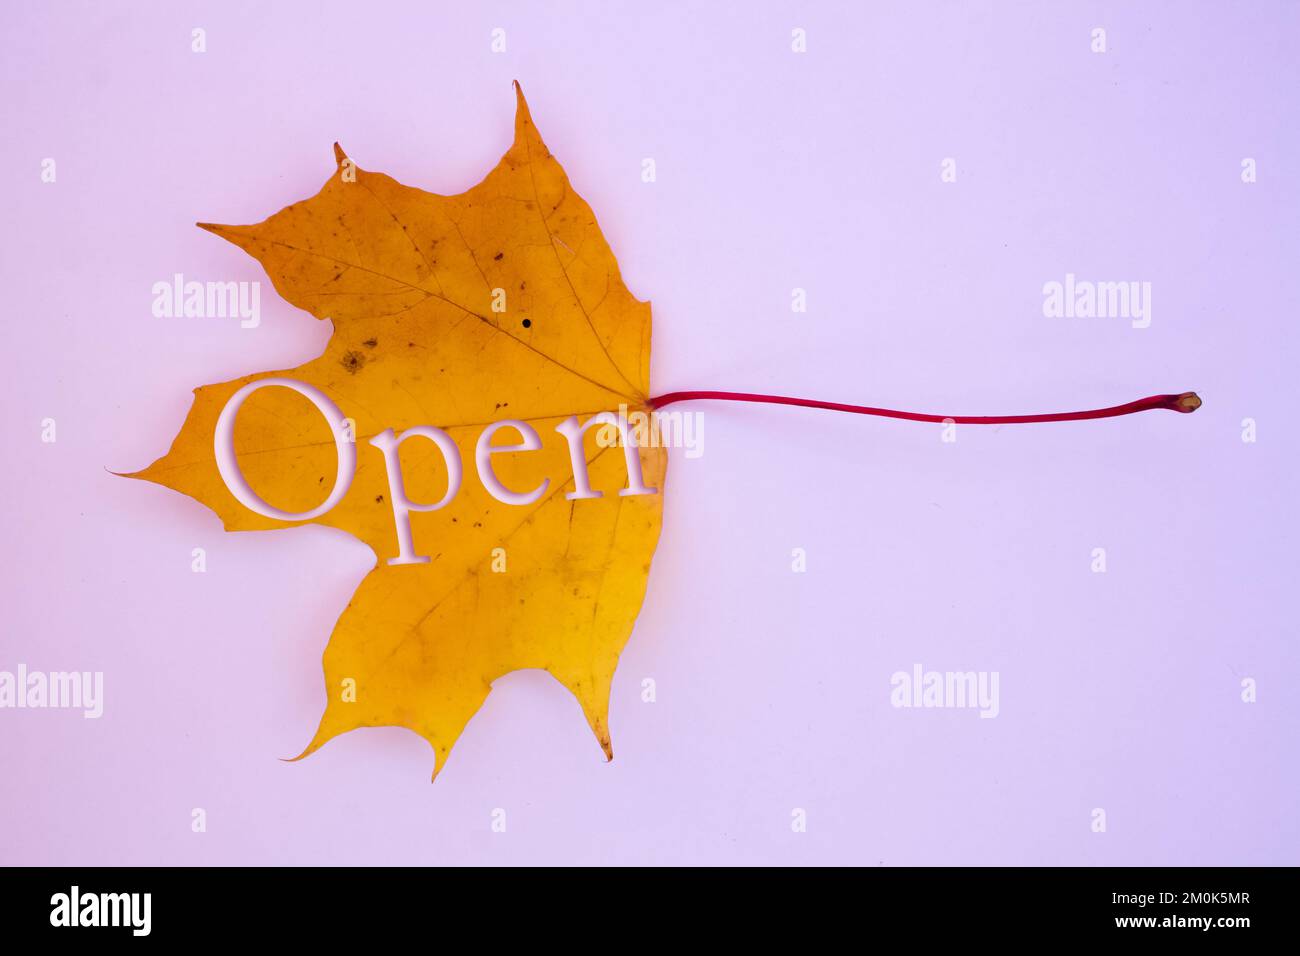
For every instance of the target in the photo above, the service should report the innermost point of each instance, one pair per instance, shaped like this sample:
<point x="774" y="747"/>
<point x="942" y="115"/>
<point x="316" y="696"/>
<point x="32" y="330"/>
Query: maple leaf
<point x="455" y="311"/>
<point x="501" y="303"/>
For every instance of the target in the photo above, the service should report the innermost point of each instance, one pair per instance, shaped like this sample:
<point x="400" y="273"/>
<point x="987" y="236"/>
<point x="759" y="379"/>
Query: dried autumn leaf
<point x="409" y="279"/>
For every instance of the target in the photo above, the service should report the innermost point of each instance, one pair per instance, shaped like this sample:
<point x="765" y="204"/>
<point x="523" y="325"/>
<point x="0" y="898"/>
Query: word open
<point x="389" y="442"/>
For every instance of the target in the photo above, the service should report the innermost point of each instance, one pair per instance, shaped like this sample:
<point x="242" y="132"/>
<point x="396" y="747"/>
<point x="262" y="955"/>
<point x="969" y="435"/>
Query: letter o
<point x="223" y="445"/>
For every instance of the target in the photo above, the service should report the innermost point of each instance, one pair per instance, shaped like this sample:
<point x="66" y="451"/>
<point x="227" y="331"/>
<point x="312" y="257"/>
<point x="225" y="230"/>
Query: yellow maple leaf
<point x="455" y="318"/>
<point x="503" y="302"/>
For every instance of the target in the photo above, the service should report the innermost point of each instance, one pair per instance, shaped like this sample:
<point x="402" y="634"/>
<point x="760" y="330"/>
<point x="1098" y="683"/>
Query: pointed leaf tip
<point x="224" y="232"/>
<point x="339" y="155"/>
<point x="522" y="112"/>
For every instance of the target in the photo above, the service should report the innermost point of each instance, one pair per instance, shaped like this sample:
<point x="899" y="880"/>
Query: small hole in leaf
<point x="528" y="323"/>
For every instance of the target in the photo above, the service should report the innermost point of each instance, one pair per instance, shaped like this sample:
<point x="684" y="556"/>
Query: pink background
<point x="775" y="170"/>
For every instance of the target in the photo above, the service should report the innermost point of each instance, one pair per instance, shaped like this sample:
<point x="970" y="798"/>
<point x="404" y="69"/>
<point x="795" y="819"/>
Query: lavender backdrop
<point x="775" y="170"/>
